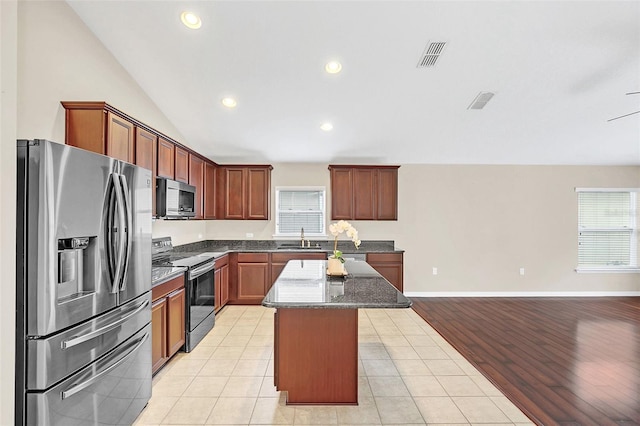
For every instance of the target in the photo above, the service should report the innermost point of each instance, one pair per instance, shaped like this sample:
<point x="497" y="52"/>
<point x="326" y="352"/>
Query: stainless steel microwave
<point x="175" y="200"/>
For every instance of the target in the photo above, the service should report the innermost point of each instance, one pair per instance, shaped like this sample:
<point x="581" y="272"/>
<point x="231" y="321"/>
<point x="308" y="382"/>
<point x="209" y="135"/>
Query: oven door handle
<point x="196" y="272"/>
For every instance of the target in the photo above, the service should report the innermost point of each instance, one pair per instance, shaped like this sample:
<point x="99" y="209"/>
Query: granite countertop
<point x="326" y="246"/>
<point x="161" y="274"/>
<point x="305" y="284"/>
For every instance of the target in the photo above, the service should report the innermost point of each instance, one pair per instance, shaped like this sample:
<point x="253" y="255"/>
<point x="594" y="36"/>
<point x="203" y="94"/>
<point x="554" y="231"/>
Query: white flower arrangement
<point x="338" y="228"/>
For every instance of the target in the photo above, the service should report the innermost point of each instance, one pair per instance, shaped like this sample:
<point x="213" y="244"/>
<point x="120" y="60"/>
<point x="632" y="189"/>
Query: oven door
<point x="201" y="294"/>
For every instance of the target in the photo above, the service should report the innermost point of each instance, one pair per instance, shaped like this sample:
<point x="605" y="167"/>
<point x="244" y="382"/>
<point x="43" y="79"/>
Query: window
<point x="298" y="208"/>
<point x="607" y="229"/>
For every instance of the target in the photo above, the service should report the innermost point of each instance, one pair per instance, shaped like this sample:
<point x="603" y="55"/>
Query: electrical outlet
<point x="435" y="271"/>
<point x="521" y="271"/>
<point x="249" y="234"/>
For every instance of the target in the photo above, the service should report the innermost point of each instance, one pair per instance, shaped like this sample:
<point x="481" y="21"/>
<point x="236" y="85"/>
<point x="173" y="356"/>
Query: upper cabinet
<point x="146" y="156"/>
<point x="222" y="192"/>
<point x="166" y="158"/>
<point x="210" y="180"/>
<point x="244" y="192"/>
<point x="97" y="127"/>
<point x="182" y="165"/>
<point x="196" y="178"/>
<point x="364" y="192"/>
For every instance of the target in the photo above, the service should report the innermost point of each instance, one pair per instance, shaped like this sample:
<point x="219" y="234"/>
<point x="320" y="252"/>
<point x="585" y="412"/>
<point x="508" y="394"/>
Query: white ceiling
<point x="559" y="70"/>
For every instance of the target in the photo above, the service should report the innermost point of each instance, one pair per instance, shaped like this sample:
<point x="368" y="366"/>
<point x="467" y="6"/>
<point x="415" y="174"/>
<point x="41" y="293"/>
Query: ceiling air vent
<point x="431" y="54"/>
<point x="481" y="100"/>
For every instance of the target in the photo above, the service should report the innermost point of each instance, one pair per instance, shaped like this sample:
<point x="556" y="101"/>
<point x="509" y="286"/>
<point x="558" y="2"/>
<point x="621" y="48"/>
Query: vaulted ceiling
<point x="558" y="70"/>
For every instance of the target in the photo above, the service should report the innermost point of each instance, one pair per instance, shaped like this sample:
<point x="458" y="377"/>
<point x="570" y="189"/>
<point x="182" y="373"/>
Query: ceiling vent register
<point x="481" y="100"/>
<point x="431" y="54"/>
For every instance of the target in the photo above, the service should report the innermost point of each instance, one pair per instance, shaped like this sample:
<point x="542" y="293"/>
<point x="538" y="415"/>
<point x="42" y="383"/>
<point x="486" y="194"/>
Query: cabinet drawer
<point x="253" y="257"/>
<point x="161" y="290"/>
<point x="384" y="257"/>
<point x="285" y="257"/>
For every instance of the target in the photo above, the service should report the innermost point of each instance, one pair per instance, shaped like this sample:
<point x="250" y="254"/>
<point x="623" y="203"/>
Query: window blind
<point x="607" y="235"/>
<point x="300" y="208"/>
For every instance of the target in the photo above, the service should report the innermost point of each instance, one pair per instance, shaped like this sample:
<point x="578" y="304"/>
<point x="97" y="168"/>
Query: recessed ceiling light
<point x="191" y="20"/>
<point x="333" y="67"/>
<point x="327" y="127"/>
<point x="229" y="102"/>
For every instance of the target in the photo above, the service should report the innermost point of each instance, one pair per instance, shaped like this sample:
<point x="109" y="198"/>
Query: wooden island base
<point x="316" y="355"/>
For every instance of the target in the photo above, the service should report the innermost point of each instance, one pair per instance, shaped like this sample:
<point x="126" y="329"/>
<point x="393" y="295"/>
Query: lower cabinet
<point x="167" y="321"/>
<point x="221" y="282"/>
<point x="253" y="277"/>
<point x="389" y="265"/>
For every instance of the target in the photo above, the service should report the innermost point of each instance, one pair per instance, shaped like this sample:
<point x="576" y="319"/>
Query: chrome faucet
<point x="301" y="237"/>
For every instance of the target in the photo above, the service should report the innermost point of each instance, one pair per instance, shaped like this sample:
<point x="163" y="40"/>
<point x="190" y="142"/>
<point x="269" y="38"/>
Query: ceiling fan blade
<point x="622" y="116"/>
<point x="632" y="93"/>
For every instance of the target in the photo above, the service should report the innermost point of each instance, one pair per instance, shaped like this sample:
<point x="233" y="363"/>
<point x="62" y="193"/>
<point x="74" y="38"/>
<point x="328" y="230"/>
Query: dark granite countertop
<point x="346" y="246"/>
<point x="161" y="274"/>
<point x="305" y="284"/>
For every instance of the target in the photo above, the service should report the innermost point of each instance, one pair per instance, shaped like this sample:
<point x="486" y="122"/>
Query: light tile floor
<point x="408" y="374"/>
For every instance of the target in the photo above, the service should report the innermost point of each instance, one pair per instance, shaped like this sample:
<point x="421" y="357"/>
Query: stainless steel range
<point x="199" y="286"/>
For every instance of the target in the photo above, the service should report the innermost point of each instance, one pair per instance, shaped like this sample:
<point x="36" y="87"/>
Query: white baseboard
<point x="522" y="294"/>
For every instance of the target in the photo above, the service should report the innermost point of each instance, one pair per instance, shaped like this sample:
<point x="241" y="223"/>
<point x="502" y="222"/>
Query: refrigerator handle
<point x="129" y="230"/>
<point x="80" y="386"/>
<point x="76" y="340"/>
<point x="123" y="231"/>
<point x="109" y="221"/>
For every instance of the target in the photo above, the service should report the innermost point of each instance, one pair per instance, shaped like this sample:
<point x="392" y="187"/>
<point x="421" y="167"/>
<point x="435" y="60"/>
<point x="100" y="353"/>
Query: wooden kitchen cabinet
<point x="166" y="159"/>
<point x="146" y="144"/>
<point x="364" y="192"/>
<point x="210" y="171"/>
<point x="252" y="278"/>
<point x="98" y="127"/>
<point x="158" y="334"/>
<point x="196" y="178"/>
<point x="181" y="165"/>
<point x="245" y="192"/>
<point x="167" y="320"/>
<point x="389" y="265"/>
<point x="221" y="282"/>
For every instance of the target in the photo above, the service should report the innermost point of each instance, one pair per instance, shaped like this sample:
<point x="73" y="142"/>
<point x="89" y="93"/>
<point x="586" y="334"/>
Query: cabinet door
<point x="159" y="334"/>
<point x="364" y="190"/>
<point x="209" y="191"/>
<point x="224" y="285"/>
<point x="146" y="143"/>
<point x="341" y="193"/>
<point x="196" y="178"/>
<point x="234" y="192"/>
<point x="252" y="281"/>
<point x="182" y="165"/>
<point x="387" y="193"/>
<point x="217" y="289"/>
<point x="258" y="193"/>
<point x="166" y="159"/>
<point x="175" y="321"/>
<point x="276" y="269"/>
<point x="120" y="137"/>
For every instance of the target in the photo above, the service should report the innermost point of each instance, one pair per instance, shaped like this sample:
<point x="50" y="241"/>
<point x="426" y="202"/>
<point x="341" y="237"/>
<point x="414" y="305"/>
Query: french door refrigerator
<point x="83" y="277"/>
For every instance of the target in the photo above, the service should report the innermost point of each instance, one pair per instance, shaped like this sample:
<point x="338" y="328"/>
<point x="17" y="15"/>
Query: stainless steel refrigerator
<point x="83" y="277"/>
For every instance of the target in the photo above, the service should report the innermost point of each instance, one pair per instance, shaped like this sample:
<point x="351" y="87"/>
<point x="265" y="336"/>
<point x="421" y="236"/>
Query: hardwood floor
<point x="562" y="361"/>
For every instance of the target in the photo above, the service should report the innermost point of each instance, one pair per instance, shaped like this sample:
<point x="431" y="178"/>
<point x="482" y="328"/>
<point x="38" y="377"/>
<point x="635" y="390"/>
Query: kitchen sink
<point x="297" y="247"/>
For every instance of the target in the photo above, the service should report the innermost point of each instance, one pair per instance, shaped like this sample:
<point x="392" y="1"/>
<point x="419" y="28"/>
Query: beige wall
<point x="477" y="224"/>
<point x="8" y="119"/>
<point x="60" y="59"/>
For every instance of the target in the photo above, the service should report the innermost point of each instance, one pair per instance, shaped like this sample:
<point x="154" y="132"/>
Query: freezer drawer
<point x="50" y="360"/>
<point x="111" y="391"/>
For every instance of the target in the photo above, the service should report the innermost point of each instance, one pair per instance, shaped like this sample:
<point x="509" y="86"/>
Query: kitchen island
<point x="316" y="328"/>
